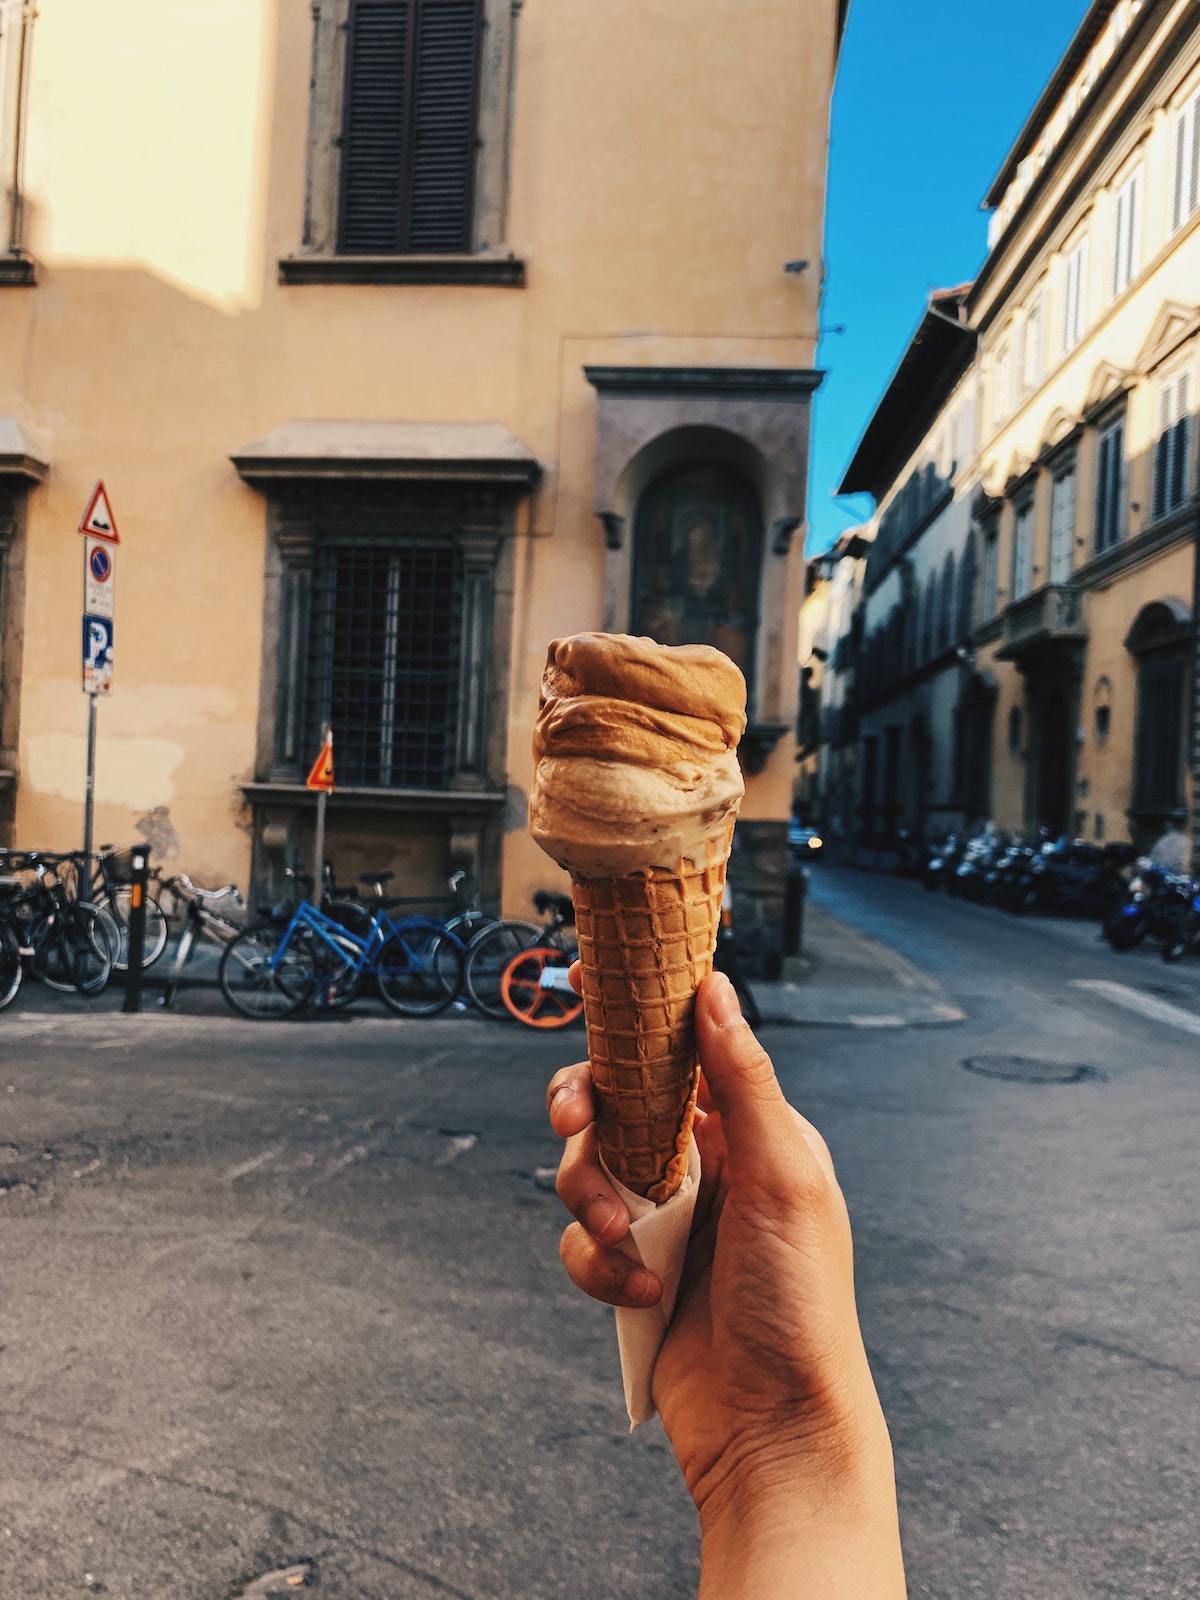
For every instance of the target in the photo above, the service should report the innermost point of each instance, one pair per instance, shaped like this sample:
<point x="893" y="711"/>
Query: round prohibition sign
<point x="100" y="564"/>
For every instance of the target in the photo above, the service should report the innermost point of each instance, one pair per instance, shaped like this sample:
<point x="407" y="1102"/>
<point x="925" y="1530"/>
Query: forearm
<point x="821" y="1533"/>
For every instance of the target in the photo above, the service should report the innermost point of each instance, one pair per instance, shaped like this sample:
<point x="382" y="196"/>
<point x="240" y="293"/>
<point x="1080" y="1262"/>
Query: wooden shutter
<point x="443" y="148"/>
<point x="1110" y="486"/>
<point x="408" y="140"/>
<point x="1177" y="489"/>
<point x="1162" y="448"/>
<point x="374" y="128"/>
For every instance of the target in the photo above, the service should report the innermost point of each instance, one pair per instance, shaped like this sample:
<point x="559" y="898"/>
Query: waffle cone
<point x="645" y="943"/>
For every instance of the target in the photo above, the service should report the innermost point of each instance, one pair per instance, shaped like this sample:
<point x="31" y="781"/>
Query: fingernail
<point x="561" y="1096"/>
<point x="599" y="1216"/>
<point x="723" y="1005"/>
<point x="640" y="1287"/>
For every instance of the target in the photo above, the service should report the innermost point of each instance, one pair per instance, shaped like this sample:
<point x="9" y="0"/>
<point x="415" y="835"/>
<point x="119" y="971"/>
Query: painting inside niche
<point x="697" y="554"/>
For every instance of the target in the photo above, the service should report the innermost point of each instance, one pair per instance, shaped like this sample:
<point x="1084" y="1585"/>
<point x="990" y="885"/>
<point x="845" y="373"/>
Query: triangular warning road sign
<point x="321" y="776"/>
<point x="98" y="519"/>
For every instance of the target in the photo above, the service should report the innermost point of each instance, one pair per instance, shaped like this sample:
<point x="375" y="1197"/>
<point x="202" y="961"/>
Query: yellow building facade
<point x="1029" y="620"/>
<point x="406" y="336"/>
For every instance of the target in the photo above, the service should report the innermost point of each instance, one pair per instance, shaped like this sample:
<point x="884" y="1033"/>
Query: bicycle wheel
<point x="11" y="970"/>
<point x="258" y="981"/>
<point x="419" y="970"/>
<point x="525" y="987"/>
<point x="118" y="905"/>
<point x="487" y="956"/>
<point x="94" y="942"/>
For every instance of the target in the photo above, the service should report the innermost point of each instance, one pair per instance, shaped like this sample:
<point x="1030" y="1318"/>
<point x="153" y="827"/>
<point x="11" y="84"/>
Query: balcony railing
<point x="1053" y="615"/>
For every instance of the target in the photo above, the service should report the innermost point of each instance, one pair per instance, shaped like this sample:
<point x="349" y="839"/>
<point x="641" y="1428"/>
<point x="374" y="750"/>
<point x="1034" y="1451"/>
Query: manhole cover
<point x="1028" y="1069"/>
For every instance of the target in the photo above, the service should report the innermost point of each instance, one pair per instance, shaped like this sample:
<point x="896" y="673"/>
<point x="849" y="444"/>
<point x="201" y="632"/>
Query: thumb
<point x="761" y="1135"/>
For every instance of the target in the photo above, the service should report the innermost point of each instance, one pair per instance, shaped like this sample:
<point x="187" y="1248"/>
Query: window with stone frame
<point x="1125" y="259"/>
<point x="991" y="571"/>
<point x="1185" y="161"/>
<point x="1062" y="522"/>
<point x="967" y="576"/>
<point x="408" y="139"/>
<point x="1074" y="296"/>
<point x="385" y="631"/>
<point x="1022" y="568"/>
<point x="1110" y="484"/>
<point x="1173" y="444"/>
<point x="945" y="628"/>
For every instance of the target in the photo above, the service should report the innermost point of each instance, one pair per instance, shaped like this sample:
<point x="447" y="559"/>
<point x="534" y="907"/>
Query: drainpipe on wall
<point x="16" y="239"/>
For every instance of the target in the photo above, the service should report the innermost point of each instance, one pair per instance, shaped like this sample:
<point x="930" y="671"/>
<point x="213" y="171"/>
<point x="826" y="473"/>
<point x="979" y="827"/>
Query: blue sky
<point x="929" y="100"/>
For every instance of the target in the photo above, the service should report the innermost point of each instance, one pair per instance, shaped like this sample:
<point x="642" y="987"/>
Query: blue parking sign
<point x="97" y="655"/>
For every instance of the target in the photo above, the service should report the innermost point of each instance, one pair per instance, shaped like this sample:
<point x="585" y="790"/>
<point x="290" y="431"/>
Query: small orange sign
<point x="321" y="776"/>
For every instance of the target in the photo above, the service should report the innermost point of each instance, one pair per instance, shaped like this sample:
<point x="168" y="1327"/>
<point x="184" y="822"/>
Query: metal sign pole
<point x="89" y="793"/>
<point x="319" y="849"/>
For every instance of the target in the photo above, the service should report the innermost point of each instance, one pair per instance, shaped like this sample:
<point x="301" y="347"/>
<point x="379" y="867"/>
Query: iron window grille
<point x="385" y="639"/>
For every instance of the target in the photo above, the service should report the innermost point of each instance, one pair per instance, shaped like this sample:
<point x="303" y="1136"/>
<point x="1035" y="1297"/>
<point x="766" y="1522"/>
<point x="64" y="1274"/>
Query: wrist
<point x="810" y="1517"/>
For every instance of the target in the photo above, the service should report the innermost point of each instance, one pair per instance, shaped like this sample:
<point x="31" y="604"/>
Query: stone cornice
<point x="481" y="271"/>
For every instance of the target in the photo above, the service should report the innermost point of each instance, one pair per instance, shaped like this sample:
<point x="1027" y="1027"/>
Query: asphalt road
<point x="289" y="1294"/>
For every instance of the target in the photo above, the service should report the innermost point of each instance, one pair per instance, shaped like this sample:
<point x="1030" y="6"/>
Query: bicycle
<point x="112" y="888"/>
<point x="201" y="920"/>
<point x="536" y="990"/>
<point x="492" y="949"/>
<point x="276" y="969"/>
<point x="68" y="943"/>
<point x="534" y="986"/>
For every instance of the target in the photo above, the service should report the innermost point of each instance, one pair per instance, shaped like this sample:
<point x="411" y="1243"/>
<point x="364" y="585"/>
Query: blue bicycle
<point x="311" y="959"/>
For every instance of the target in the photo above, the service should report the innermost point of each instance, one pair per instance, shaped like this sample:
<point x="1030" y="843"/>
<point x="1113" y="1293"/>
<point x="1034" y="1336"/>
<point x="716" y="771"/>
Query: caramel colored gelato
<point x="635" y="749"/>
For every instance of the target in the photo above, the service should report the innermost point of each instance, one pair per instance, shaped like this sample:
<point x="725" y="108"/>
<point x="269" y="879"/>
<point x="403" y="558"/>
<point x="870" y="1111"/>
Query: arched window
<point x="697" y="554"/>
<point x="966" y="589"/>
<point x="945" y="627"/>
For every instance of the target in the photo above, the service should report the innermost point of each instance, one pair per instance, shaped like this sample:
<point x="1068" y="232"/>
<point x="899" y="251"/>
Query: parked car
<point x="805" y="844"/>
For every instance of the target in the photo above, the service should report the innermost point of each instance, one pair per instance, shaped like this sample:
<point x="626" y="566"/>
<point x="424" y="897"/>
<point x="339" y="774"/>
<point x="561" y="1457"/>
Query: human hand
<point x="762" y="1382"/>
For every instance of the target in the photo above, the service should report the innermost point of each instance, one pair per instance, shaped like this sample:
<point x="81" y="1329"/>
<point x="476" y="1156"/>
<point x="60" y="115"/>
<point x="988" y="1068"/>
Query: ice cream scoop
<point x="636" y="789"/>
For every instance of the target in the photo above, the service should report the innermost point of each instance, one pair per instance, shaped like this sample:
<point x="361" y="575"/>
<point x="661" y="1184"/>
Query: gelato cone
<point x="635" y="793"/>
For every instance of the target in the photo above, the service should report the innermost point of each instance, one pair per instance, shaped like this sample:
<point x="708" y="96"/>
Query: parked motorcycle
<point x="1010" y="877"/>
<point x="1157" y="904"/>
<point x="1187" y="933"/>
<point x="979" y="861"/>
<point x="1076" y="877"/>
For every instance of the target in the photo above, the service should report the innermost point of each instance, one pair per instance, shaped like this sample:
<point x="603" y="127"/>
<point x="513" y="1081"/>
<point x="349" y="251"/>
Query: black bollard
<point x="137" y="930"/>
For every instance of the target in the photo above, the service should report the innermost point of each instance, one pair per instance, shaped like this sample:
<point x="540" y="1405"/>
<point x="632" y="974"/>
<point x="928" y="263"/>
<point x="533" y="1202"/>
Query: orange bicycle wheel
<point x="527" y="994"/>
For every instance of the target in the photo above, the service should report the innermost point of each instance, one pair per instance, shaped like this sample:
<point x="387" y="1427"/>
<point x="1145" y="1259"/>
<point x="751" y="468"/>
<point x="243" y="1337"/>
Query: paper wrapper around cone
<point x="645" y="943"/>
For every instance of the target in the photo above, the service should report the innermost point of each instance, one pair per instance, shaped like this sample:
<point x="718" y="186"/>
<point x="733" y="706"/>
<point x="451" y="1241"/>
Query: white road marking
<point x="244" y="1167"/>
<point x="1145" y="1005"/>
